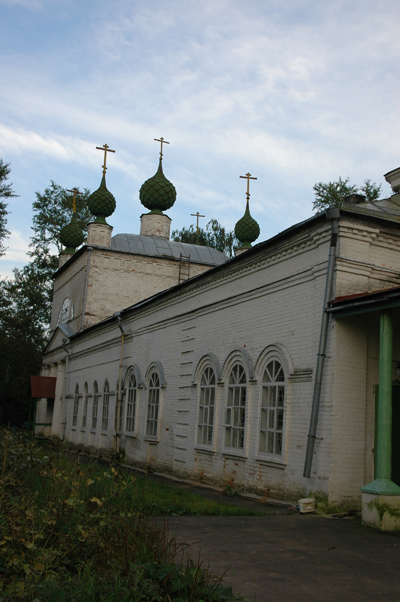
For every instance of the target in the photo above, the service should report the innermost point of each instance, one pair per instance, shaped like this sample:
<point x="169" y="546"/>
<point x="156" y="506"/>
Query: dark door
<point x="396" y="434"/>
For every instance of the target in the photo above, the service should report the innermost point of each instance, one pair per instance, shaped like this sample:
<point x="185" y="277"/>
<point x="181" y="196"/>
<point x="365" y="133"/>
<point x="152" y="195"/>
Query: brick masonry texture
<point x="250" y="311"/>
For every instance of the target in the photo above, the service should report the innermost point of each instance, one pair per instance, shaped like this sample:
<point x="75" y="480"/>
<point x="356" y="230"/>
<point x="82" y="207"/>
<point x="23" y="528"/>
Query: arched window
<point x="153" y="405"/>
<point x="235" y="416"/>
<point x="95" y="407"/>
<point x="206" y="407"/>
<point x="66" y="313"/>
<point x="121" y="406"/>
<point x="106" y="405"/>
<point x="131" y="404"/>
<point x="272" y="408"/>
<point x="85" y="405"/>
<point x="76" y="407"/>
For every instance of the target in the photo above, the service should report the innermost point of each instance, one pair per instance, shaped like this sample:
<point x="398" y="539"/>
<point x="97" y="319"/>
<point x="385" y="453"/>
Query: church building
<point x="275" y="371"/>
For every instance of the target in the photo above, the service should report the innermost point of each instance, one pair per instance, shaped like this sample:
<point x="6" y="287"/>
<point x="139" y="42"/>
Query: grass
<point x="150" y="498"/>
<point x="71" y="531"/>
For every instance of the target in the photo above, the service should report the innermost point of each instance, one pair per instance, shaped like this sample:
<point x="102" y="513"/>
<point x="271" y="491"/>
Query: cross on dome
<point x="74" y="191"/>
<point x="106" y="150"/>
<point x="248" y="177"/>
<point x="197" y="215"/>
<point x="162" y="142"/>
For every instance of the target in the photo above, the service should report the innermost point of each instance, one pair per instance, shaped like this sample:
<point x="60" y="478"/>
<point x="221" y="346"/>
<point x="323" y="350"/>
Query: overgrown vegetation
<point x="72" y="531"/>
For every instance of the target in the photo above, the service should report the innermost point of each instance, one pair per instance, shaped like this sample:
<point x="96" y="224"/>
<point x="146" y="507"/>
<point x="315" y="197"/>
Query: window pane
<point x="236" y="399"/>
<point x="272" y="409"/>
<point x="153" y="404"/>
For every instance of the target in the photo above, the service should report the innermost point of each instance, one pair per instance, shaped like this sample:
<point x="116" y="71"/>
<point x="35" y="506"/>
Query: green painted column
<point x="384" y="419"/>
<point x="382" y="483"/>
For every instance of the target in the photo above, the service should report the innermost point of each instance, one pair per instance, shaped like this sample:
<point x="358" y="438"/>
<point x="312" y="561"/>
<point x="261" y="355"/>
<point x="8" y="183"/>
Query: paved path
<point x="283" y="556"/>
<point x="290" y="557"/>
<point x="296" y="558"/>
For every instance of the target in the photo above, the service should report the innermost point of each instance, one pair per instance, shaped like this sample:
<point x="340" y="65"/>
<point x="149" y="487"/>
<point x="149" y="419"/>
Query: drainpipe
<point x="332" y="214"/>
<point x="117" y="315"/>
<point x="89" y="249"/>
<point x="64" y="418"/>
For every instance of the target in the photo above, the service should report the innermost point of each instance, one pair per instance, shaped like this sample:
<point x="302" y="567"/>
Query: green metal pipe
<point x="384" y="418"/>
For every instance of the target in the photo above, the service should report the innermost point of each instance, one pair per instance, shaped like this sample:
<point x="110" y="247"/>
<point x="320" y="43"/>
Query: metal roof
<point x="365" y="302"/>
<point x="157" y="246"/>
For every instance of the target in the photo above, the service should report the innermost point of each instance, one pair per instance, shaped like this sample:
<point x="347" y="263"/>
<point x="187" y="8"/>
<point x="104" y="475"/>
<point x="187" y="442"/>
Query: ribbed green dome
<point x="102" y="202"/>
<point x="157" y="194"/>
<point x="71" y="236"/>
<point x="247" y="230"/>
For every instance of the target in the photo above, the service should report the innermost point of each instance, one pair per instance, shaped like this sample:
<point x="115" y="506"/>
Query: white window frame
<point x="75" y="409"/>
<point x="273" y="409"/>
<point x="84" y="405"/>
<point x="121" y="408"/>
<point x="106" y="406"/>
<point x="66" y="313"/>
<point x="95" y="406"/>
<point x="207" y="406"/>
<point x="131" y="401"/>
<point x="153" y="405"/>
<point x="236" y="408"/>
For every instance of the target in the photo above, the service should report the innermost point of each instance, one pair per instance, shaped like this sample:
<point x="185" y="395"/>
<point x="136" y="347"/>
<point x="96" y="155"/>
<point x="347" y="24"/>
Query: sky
<point x="294" y="92"/>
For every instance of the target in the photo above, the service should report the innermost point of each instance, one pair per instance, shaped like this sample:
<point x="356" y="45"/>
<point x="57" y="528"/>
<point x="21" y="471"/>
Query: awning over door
<point x="43" y="386"/>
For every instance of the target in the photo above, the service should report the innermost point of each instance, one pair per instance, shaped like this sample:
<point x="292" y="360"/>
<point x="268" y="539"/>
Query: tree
<point x="53" y="210"/>
<point x="333" y="194"/>
<point x="21" y="344"/>
<point x="6" y="192"/>
<point x="25" y="301"/>
<point x="214" y="236"/>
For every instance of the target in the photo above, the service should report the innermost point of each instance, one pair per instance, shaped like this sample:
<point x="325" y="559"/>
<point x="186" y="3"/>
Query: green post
<point x="382" y="483"/>
<point x="384" y="423"/>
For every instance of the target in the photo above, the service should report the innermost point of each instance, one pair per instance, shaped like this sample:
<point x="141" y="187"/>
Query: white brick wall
<point x="267" y="301"/>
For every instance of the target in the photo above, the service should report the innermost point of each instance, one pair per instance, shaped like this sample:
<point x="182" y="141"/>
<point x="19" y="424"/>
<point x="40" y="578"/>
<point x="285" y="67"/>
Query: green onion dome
<point x="247" y="230"/>
<point x="71" y="236"/>
<point x="101" y="202"/>
<point x="157" y="194"/>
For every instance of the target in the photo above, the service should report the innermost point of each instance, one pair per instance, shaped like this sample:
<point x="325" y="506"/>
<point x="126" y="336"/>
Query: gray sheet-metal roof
<point x="389" y="207"/>
<point x="157" y="246"/>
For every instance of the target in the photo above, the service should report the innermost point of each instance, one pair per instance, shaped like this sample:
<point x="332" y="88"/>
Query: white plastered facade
<point x="263" y="306"/>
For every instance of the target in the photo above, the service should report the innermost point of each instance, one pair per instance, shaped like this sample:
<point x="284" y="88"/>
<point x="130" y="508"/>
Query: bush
<point x="72" y="532"/>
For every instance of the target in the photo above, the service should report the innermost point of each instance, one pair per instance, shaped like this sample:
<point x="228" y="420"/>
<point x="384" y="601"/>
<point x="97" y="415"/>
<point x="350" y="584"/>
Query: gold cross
<point x="248" y="178"/>
<point x="106" y="150"/>
<point x="74" y="191"/>
<point x="162" y="142"/>
<point x="197" y="215"/>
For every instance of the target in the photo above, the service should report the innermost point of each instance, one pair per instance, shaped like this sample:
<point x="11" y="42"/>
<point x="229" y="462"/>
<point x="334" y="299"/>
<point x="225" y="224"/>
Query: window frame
<point x="85" y="398"/>
<point x="75" y="408"/>
<point x="121" y="408"/>
<point x="153" y="405"/>
<point x="131" y="392"/>
<point x="206" y="414"/>
<point x="273" y="410"/>
<point x="105" y="413"/>
<point x="66" y="313"/>
<point x="95" y="406"/>
<point x="235" y="418"/>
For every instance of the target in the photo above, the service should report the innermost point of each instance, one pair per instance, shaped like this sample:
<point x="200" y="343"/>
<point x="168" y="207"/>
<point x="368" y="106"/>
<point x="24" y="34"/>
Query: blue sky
<point x="294" y="92"/>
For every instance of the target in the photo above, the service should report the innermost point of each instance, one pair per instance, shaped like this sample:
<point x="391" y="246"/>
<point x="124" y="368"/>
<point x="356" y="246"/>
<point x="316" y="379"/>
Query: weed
<point x="70" y="531"/>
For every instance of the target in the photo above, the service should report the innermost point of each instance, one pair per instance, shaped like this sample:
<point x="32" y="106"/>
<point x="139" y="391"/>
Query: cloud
<point x="17" y="247"/>
<point x="295" y="92"/>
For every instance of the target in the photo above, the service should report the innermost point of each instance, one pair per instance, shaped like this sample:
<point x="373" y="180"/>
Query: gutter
<point x="117" y="315"/>
<point x="333" y="215"/>
<point x="89" y="249"/>
<point x="64" y="412"/>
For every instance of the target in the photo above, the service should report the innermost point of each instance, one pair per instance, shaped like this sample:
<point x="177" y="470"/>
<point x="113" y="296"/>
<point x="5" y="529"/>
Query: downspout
<point x="332" y="214"/>
<point x="64" y="418"/>
<point x="117" y="315"/>
<point x="89" y="249"/>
